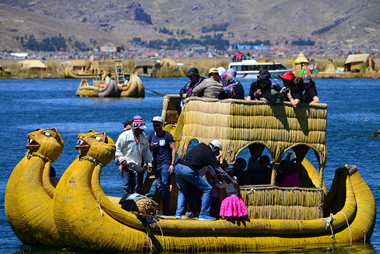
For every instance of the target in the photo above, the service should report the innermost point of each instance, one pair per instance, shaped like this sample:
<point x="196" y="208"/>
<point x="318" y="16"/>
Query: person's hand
<point x="235" y="184"/>
<point x="258" y="92"/>
<point x="150" y="168"/>
<point x="289" y="94"/>
<point x="151" y="146"/>
<point x="218" y="157"/>
<point x="121" y="168"/>
<point x="184" y="96"/>
<point x="171" y="169"/>
<point x="116" y="161"/>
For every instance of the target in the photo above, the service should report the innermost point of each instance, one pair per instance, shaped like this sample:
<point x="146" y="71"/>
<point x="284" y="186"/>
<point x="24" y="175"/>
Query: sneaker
<point x="206" y="217"/>
<point x="178" y="217"/>
<point x="164" y="212"/>
<point x="189" y="215"/>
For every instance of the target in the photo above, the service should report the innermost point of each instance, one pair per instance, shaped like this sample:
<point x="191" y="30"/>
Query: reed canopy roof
<point x="239" y="124"/>
<point x="32" y="64"/>
<point x="301" y="58"/>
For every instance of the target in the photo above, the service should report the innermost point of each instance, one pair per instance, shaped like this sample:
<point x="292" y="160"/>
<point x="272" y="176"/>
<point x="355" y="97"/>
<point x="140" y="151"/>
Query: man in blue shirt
<point x="164" y="154"/>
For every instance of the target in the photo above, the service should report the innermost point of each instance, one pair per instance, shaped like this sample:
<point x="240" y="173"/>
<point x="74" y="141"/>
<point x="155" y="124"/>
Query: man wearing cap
<point x="127" y="126"/>
<point x="264" y="90"/>
<point x="310" y="95"/>
<point x="211" y="86"/>
<point x="187" y="90"/>
<point x="187" y="172"/>
<point x="164" y="153"/>
<point x="131" y="147"/>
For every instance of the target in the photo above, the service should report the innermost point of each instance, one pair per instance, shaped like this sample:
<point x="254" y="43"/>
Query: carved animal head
<point x="46" y="142"/>
<point x="97" y="145"/>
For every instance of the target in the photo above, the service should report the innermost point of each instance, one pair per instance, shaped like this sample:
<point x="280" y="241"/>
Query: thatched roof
<point x="301" y="58"/>
<point x="144" y="62"/>
<point x="32" y="63"/>
<point x="357" y="58"/>
<point x="330" y="68"/>
<point x="167" y="62"/>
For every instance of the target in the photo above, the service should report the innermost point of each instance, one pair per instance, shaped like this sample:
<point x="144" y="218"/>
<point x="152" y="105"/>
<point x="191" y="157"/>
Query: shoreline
<point x="313" y="76"/>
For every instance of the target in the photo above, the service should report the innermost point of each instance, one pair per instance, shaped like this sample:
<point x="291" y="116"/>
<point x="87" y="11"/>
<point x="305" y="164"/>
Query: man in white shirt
<point x="131" y="147"/>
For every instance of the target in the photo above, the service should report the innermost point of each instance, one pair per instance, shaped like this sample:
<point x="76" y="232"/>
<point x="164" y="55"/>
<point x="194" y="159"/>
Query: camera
<point x="155" y="144"/>
<point x="286" y="90"/>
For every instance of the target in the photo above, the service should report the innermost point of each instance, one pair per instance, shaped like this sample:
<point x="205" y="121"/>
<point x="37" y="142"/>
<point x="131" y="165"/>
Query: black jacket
<point x="187" y="86"/>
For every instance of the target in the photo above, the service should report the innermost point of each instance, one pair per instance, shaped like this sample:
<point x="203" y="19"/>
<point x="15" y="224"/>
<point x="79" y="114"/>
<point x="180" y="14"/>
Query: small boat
<point x="278" y="217"/>
<point x="133" y="88"/>
<point x="248" y="69"/>
<point x="77" y="72"/>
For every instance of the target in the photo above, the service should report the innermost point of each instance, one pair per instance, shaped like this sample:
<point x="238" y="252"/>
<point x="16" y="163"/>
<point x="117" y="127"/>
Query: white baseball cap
<point x="217" y="144"/>
<point x="158" y="119"/>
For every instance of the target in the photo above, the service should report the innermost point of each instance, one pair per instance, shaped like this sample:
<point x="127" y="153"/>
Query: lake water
<point x="353" y="115"/>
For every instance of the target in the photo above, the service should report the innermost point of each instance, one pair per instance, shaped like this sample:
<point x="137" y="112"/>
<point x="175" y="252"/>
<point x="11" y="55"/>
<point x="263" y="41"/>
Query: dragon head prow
<point x="97" y="145"/>
<point x="45" y="142"/>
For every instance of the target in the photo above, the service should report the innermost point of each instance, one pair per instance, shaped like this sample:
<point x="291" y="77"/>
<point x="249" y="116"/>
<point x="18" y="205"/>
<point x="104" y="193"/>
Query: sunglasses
<point x="156" y="125"/>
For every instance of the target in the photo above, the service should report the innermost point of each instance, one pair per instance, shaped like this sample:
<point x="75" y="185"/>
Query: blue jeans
<point x="132" y="182"/>
<point x="185" y="174"/>
<point x="161" y="172"/>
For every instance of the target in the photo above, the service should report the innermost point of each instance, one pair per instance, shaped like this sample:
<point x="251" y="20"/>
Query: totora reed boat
<point x="80" y="215"/>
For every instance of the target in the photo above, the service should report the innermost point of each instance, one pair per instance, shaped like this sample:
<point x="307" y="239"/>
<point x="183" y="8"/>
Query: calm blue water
<point x="353" y="115"/>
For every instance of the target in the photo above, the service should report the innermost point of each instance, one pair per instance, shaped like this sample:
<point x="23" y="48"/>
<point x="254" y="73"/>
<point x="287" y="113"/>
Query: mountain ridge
<point x="120" y="21"/>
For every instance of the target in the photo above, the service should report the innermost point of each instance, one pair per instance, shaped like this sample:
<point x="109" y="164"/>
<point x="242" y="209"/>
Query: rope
<point x="162" y="233"/>
<point x="348" y="225"/>
<point x="98" y="202"/>
<point x="91" y="159"/>
<point x="329" y="224"/>
<point x="35" y="154"/>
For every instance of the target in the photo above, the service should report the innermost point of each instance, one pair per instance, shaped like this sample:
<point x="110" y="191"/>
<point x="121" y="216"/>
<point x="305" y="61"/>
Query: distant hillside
<point x="93" y="23"/>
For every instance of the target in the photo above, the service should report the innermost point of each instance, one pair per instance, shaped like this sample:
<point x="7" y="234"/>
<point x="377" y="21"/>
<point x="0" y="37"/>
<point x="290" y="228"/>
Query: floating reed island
<point x="78" y="214"/>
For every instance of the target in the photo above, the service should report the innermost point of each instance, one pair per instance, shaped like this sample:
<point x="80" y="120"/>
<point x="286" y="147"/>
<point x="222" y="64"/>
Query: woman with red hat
<point x="293" y="87"/>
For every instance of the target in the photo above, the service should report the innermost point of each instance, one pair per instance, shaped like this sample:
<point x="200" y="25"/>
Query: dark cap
<point x="306" y="79"/>
<point x="192" y="71"/>
<point x="264" y="78"/>
<point x="128" y="122"/>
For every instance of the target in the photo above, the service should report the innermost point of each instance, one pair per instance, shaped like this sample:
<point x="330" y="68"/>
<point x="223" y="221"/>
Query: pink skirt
<point x="233" y="206"/>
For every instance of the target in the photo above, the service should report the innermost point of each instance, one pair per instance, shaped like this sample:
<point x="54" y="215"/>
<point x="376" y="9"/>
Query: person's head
<point x="264" y="162"/>
<point x="240" y="164"/>
<point x="138" y="125"/>
<point x="264" y="81"/>
<point x="128" y="124"/>
<point x="297" y="84"/>
<point x="213" y="72"/>
<point x="308" y="82"/>
<point x="52" y="172"/>
<point x="158" y="123"/>
<point x="109" y="74"/>
<point x="221" y="70"/>
<point x="232" y="72"/>
<point x="287" y="78"/>
<point x="216" y="147"/>
<point x="192" y="74"/>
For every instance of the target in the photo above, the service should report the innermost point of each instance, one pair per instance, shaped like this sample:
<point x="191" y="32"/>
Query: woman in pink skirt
<point x="232" y="206"/>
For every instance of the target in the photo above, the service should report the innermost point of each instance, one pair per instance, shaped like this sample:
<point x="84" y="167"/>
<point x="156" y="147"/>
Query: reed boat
<point x="77" y="72"/>
<point x="134" y="88"/>
<point x="278" y="217"/>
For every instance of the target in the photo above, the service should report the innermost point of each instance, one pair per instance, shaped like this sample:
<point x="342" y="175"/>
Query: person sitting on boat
<point x="232" y="206"/>
<point x="310" y="95"/>
<point x="286" y="176"/>
<point x="252" y="88"/>
<point x="210" y="87"/>
<point x="260" y="172"/>
<point x="131" y="147"/>
<point x="293" y="87"/>
<point x="161" y="143"/>
<point x="232" y="89"/>
<point x="187" y="90"/>
<point x="108" y="79"/>
<point x="264" y="90"/>
<point x="187" y="172"/>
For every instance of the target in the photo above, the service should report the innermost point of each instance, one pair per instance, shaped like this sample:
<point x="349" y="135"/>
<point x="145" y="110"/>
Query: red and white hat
<point x="138" y="123"/>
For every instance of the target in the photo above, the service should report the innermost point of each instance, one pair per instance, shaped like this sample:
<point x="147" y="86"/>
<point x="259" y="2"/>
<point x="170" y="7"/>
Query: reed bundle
<point x="271" y="202"/>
